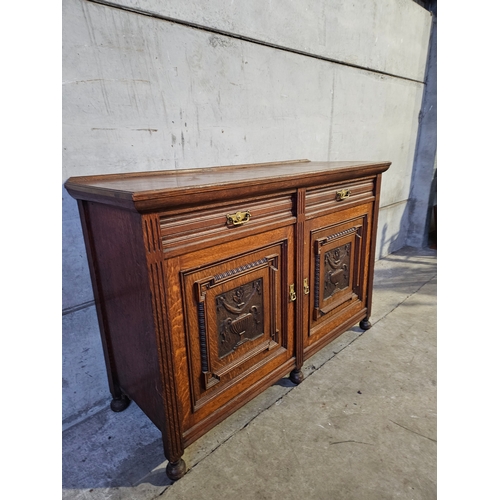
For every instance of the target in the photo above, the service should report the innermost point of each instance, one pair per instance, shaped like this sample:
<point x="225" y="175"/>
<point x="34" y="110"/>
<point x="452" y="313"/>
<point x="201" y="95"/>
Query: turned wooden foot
<point x="296" y="376"/>
<point x="365" y="324"/>
<point x="175" y="470"/>
<point x="119" y="404"/>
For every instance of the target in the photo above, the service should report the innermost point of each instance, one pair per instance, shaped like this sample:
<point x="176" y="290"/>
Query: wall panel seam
<point x="394" y="204"/>
<point x="245" y="38"/>
<point x="78" y="307"/>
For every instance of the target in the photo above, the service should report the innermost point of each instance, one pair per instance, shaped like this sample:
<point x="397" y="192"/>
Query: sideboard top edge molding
<point x="84" y="179"/>
<point x="166" y="186"/>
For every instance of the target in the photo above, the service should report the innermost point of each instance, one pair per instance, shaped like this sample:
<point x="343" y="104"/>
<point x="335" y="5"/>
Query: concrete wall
<point x="423" y="186"/>
<point x="196" y="84"/>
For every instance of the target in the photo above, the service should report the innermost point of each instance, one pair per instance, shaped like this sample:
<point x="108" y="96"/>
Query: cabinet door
<point x="237" y="319"/>
<point x="337" y="260"/>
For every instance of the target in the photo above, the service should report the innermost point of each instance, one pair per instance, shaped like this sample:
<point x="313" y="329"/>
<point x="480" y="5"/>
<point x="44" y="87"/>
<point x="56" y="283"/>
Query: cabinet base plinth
<point x="296" y="376"/>
<point x="175" y="470"/>
<point x="119" y="404"/>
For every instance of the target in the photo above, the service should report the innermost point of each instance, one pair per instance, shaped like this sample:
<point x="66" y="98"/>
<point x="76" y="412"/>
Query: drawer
<point x="338" y="196"/>
<point x="204" y="226"/>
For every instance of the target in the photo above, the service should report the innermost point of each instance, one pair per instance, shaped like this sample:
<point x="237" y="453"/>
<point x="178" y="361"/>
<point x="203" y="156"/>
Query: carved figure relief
<point x="239" y="316"/>
<point x="336" y="270"/>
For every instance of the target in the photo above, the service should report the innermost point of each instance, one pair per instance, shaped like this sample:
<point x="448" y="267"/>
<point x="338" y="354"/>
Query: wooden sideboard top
<point x="156" y="189"/>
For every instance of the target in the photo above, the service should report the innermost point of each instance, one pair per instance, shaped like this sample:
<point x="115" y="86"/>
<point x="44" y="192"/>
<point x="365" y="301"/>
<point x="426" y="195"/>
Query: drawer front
<point x="237" y="318"/>
<point x="207" y="225"/>
<point x="338" y="196"/>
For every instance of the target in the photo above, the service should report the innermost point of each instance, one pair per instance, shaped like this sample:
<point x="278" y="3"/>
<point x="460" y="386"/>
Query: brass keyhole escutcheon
<point x="292" y="294"/>
<point x="306" y="287"/>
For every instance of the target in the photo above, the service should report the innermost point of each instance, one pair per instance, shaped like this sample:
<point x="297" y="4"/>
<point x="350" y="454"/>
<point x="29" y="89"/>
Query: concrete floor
<point x="361" y="426"/>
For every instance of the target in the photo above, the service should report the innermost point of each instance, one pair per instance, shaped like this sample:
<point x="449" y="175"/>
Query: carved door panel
<point x="337" y="245"/>
<point x="238" y="320"/>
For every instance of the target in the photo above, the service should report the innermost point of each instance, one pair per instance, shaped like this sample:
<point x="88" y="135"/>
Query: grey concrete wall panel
<point x="152" y="95"/>
<point x="421" y="196"/>
<point x="141" y="93"/>
<point x="179" y="98"/>
<point x="385" y="35"/>
<point x="392" y="228"/>
<point x="374" y="116"/>
<point x="76" y="284"/>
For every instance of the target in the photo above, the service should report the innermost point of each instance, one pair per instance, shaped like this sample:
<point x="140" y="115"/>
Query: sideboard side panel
<point x="122" y="293"/>
<point x="93" y="259"/>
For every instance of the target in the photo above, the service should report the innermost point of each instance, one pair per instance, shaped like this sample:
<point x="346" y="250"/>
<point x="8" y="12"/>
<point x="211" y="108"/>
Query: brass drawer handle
<point x="343" y="194"/>
<point x="238" y="218"/>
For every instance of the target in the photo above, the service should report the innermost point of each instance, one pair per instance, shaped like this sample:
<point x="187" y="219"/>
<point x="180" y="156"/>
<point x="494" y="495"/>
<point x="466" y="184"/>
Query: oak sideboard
<point x="211" y="284"/>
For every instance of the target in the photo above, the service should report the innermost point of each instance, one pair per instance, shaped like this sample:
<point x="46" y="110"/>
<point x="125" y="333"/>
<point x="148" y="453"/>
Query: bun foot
<point x="365" y="324"/>
<point x="119" y="404"/>
<point x="175" y="470"/>
<point x="296" y="376"/>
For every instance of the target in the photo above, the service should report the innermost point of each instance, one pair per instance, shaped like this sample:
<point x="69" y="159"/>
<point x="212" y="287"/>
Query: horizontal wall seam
<point x="396" y="203"/>
<point x="245" y="38"/>
<point x="79" y="307"/>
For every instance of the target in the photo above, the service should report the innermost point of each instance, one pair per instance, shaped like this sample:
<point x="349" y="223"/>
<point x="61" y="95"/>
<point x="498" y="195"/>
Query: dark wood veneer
<point x="198" y="314"/>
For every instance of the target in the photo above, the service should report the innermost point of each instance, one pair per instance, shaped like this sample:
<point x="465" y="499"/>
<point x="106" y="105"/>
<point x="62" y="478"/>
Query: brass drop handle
<point x="306" y="287"/>
<point x="238" y="218"/>
<point x="292" y="295"/>
<point x="342" y="194"/>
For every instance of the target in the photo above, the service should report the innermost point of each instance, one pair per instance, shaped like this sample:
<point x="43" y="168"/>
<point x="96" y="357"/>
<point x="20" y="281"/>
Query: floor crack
<point x="351" y="441"/>
<point x="414" y="432"/>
